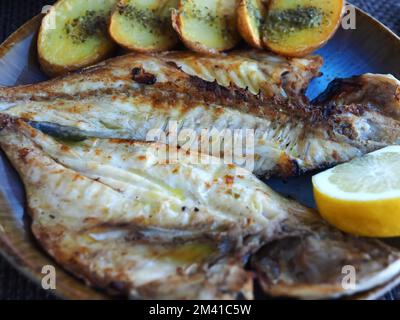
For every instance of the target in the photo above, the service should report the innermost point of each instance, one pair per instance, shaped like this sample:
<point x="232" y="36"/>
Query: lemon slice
<point x="362" y="197"/>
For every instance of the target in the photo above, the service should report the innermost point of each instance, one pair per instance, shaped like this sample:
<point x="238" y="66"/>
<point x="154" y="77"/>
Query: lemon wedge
<point x="362" y="197"/>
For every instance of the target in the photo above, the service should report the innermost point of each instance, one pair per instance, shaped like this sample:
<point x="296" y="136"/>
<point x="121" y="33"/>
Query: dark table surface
<point x="14" y="13"/>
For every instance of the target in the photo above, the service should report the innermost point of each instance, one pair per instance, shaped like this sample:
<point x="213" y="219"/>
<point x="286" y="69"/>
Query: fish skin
<point x="108" y="255"/>
<point x="307" y="257"/>
<point x="379" y="91"/>
<point x="115" y="100"/>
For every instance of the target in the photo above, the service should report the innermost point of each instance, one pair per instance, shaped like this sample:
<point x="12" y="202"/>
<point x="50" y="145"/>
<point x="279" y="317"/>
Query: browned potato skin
<point x="55" y="70"/>
<point x="244" y="26"/>
<point x="119" y="41"/>
<point x="294" y="54"/>
<point x="194" y="46"/>
<point x="302" y="53"/>
<point x="130" y="47"/>
<point x="122" y="43"/>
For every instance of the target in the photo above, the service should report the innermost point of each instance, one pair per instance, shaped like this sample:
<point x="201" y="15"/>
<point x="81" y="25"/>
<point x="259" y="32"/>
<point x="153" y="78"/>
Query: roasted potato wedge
<point x="297" y="28"/>
<point x="144" y="25"/>
<point x="250" y="15"/>
<point x="74" y="35"/>
<point x="207" y="26"/>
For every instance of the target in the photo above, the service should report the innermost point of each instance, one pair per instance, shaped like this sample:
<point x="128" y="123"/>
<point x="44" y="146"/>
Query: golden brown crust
<point x="178" y="25"/>
<point x="289" y="52"/>
<point x="244" y="26"/>
<point x="53" y="69"/>
<point x="129" y="46"/>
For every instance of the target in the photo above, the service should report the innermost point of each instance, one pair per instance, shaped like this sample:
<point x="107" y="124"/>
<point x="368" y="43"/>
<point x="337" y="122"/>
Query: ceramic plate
<point x="371" y="47"/>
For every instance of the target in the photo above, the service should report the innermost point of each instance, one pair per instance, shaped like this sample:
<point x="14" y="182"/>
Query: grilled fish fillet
<point x="309" y="259"/>
<point x="131" y="96"/>
<point x="113" y="213"/>
<point x="118" y="216"/>
<point x="134" y="183"/>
